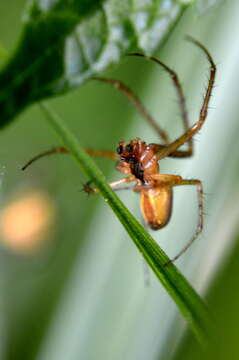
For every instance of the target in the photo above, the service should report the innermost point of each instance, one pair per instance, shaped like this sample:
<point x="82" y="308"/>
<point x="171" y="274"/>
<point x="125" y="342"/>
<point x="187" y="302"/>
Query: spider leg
<point x="199" y="228"/>
<point x="180" y="94"/>
<point x="103" y="153"/>
<point x="158" y="148"/>
<point x="62" y="149"/>
<point x="172" y="148"/>
<point x="114" y="185"/>
<point x="138" y="104"/>
<point x="55" y="150"/>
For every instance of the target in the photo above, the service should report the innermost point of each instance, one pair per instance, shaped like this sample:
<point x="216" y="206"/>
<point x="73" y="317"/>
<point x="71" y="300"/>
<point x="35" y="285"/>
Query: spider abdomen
<point x="156" y="206"/>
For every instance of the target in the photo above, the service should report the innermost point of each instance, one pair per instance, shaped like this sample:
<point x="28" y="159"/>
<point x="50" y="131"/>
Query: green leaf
<point x="64" y="43"/>
<point x="187" y="300"/>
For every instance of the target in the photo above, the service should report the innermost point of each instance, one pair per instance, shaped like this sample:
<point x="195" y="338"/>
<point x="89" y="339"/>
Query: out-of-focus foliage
<point x="63" y="43"/>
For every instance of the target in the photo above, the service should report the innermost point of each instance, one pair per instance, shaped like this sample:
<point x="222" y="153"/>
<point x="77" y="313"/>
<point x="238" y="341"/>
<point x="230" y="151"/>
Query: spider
<point x="138" y="161"/>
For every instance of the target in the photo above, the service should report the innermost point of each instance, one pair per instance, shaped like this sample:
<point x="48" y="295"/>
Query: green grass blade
<point x="188" y="301"/>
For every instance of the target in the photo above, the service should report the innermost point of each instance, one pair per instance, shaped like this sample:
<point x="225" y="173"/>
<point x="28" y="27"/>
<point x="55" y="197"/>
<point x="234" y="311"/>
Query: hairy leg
<point x="199" y="228"/>
<point x="173" y="147"/>
<point x="63" y="150"/>
<point x="181" y="97"/>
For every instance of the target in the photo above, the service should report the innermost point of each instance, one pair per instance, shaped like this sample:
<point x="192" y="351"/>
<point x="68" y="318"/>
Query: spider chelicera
<point x="139" y="160"/>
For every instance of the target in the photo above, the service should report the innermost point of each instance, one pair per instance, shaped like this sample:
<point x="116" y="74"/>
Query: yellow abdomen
<point x="156" y="206"/>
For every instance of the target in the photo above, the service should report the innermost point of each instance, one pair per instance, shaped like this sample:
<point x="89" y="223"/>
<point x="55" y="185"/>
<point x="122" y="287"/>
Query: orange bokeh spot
<point x="25" y="222"/>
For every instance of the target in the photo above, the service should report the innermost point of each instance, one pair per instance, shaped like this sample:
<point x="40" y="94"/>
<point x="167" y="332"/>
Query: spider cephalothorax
<point x="138" y="159"/>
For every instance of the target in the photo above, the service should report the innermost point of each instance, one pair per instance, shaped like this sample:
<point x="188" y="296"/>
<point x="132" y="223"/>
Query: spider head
<point x="131" y="152"/>
<point x="129" y="155"/>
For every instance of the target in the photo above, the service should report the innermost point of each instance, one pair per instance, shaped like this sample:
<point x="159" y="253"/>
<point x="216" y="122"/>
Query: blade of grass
<point x="188" y="301"/>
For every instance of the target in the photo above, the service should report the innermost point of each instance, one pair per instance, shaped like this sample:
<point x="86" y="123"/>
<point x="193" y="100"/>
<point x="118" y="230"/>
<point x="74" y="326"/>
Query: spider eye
<point x="131" y="160"/>
<point x="129" y="148"/>
<point x="119" y="149"/>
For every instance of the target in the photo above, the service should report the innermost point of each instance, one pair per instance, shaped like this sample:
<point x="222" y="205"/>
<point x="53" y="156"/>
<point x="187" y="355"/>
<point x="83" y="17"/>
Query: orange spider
<point x="139" y="160"/>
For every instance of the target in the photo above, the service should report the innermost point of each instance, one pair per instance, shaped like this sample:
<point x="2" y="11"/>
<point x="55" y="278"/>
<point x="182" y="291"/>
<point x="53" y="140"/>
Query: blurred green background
<point x="82" y="294"/>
